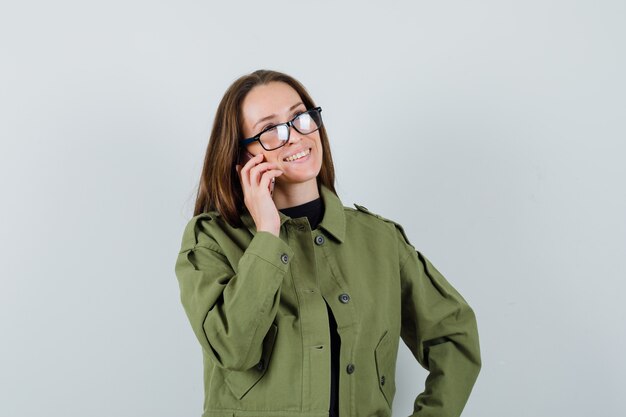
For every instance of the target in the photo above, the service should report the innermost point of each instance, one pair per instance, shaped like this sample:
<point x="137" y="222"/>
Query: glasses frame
<point x="257" y="137"/>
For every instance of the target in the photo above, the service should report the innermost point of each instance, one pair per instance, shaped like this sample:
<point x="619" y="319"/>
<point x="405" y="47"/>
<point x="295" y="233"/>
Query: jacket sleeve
<point x="439" y="328"/>
<point x="231" y="312"/>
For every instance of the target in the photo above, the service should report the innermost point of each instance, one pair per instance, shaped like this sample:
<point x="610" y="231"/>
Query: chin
<point x="296" y="179"/>
<point x="298" y="176"/>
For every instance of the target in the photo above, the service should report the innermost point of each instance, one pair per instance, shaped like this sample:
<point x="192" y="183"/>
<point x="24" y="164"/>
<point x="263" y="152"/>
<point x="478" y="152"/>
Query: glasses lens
<point x="305" y="123"/>
<point x="275" y="137"/>
<point x="308" y="122"/>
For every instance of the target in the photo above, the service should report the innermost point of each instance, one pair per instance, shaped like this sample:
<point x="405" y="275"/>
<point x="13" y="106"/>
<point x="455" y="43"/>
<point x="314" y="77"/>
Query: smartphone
<point x="245" y="157"/>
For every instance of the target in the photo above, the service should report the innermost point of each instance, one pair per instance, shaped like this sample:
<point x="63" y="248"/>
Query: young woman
<point x="298" y="302"/>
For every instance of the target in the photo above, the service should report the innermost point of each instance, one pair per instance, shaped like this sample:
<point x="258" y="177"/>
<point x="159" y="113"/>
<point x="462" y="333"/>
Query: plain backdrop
<point x="492" y="130"/>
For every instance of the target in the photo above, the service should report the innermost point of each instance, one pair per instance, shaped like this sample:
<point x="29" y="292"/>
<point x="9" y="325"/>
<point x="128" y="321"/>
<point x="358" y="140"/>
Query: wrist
<point x="270" y="229"/>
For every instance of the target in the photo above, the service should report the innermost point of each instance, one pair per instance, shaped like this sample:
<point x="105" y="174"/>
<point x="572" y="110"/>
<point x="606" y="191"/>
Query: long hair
<point x="219" y="187"/>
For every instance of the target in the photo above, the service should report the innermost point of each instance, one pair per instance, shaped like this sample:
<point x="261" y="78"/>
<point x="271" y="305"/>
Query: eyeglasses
<point x="273" y="137"/>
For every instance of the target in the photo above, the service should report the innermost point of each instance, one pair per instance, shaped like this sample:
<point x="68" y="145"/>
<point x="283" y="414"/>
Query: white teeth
<point x="298" y="155"/>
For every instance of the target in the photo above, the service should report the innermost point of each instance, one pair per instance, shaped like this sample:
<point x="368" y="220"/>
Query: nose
<point x="294" y="135"/>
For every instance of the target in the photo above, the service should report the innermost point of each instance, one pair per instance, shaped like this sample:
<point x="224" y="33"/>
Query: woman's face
<point x="271" y="104"/>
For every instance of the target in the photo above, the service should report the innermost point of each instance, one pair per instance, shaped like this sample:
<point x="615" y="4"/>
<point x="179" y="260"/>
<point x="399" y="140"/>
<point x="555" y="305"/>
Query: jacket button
<point x="284" y="258"/>
<point x="344" y="298"/>
<point x="350" y="368"/>
<point x="319" y="240"/>
<point x="382" y="380"/>
<point x="260" y="366"/>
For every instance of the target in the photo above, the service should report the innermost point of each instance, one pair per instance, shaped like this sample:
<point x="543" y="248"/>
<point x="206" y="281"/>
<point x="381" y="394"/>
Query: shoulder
<point x="204" y="230"/>
<point x="361" y="213"/>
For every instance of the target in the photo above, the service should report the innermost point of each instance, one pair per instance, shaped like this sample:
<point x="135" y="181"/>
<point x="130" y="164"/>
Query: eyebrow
<point x="273" y="115"/>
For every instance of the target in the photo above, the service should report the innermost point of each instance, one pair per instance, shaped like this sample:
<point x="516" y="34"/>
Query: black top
<point x="314" y="212"/>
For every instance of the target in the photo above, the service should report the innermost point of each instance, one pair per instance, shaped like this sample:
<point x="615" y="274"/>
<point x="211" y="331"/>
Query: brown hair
<point x="219" y="187"/>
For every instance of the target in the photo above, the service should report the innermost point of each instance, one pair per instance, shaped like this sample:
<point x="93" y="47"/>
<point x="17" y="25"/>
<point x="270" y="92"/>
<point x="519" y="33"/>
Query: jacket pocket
<point x="240" y="382"/>
<point x="385" y="367"/>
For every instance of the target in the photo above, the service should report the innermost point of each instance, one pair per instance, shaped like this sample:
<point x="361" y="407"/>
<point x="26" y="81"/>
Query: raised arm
<point x="231" y="307"/>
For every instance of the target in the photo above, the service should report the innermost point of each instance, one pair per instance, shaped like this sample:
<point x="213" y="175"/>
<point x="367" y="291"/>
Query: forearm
<point x="453" y="367"/>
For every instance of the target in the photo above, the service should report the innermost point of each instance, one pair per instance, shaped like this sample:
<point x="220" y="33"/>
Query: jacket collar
<point x="334" y="221"/>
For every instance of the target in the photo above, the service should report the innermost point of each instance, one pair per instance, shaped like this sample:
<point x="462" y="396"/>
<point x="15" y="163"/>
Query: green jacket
<point x="256" y="304"/>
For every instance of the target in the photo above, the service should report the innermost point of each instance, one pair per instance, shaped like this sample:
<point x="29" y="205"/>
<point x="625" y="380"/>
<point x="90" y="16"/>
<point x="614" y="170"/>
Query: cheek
<point x="320" y="148"/>
<point x="273" y="157"/>
<point x="255" y="149"/>
<point x="268" y="156"/>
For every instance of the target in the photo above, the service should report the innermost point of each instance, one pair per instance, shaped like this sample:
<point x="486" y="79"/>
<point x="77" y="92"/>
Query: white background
<point x="492" y="130"/>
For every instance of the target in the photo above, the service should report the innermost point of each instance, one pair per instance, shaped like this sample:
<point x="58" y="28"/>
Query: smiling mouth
<point x="297" y="156"/>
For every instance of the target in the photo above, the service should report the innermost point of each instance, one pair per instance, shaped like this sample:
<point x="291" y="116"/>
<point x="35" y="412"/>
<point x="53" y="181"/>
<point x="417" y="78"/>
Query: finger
<point x="263" y="166"/>
<point x="249" y="165"/>
<point x="238" y="170"/>
<point x="257" y="171"/>
<point x="251" y="162"/>
<point x="243" y="178"/>
<point x="268" y="177"/>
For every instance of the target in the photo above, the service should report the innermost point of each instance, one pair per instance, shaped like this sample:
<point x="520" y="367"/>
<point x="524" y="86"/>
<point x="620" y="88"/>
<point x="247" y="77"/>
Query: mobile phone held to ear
<point x="245" y="157"/>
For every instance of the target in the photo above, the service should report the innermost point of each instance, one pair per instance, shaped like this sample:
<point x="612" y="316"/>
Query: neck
<point x="290" y="195"/>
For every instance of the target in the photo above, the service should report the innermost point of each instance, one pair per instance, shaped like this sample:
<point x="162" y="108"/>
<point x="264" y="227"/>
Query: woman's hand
<point x="256" y="180"/>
